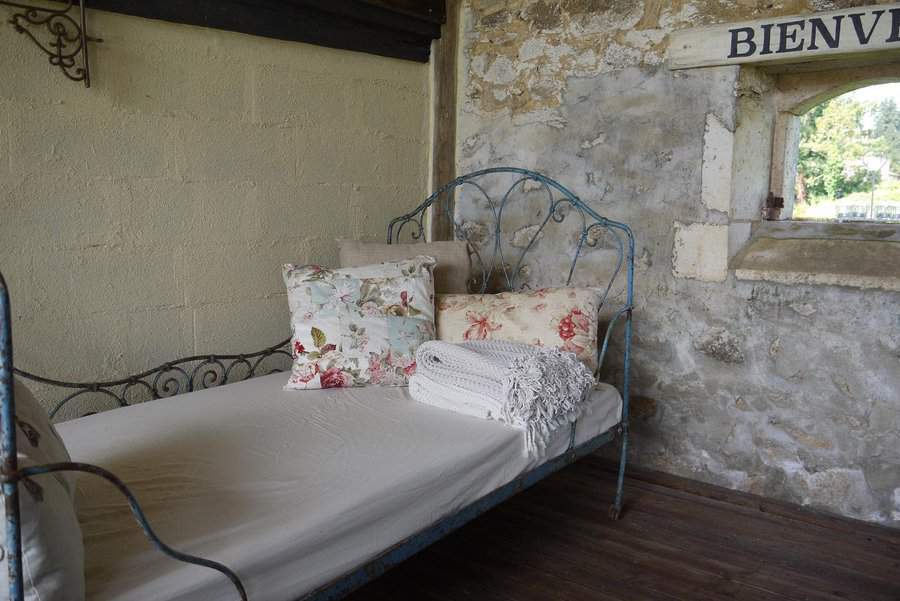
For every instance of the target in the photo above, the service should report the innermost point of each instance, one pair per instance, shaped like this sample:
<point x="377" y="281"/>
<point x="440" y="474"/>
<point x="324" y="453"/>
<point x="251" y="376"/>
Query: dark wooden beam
<point x="366" y="12"/>
<point x="445" y="90"/>
<point x="375" y="27"/>
<point x="428" y="10"/>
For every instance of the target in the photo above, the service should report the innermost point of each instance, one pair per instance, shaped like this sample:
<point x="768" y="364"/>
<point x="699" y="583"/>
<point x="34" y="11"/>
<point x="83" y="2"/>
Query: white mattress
<point x="289" y="489"/>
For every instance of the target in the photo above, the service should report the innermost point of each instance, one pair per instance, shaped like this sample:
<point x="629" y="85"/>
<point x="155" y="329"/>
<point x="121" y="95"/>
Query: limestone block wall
<point x="147" y="217"/>
<point x="791" y="391"/>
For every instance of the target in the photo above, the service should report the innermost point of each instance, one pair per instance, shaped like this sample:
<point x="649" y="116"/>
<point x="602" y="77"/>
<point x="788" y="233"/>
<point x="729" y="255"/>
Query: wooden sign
<point x="789" y="39"/>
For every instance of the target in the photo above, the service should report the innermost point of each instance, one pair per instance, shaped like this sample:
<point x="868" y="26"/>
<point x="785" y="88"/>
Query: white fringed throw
<point x="533" y="388"/>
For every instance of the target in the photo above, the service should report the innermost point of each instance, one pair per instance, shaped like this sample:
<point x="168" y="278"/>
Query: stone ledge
<point x="857" y="263"/>
<point x="847" y="230"/>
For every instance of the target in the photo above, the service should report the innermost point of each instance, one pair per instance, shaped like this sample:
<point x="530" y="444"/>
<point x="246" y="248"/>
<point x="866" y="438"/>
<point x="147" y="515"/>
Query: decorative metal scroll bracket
<point x="67" y="47"/>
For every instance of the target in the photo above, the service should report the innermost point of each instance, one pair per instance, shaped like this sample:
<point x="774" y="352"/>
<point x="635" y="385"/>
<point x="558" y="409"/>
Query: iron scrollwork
<point x="499" y="265"/>
<point x="174" y="377"/>
<point x="68" y="35"/>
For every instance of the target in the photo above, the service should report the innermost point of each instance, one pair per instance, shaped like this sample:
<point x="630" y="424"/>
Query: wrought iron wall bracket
<point x="67" y="47"/>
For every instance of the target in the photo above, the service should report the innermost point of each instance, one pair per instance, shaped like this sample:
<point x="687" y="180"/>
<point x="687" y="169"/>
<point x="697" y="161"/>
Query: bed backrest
<point x="526" y="230"/>
<point x="76" y="399"/>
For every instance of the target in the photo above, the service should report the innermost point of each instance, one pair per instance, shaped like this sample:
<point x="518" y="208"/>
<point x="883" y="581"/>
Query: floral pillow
<point x="564" y="318"/>
<point x="360" y="325"/>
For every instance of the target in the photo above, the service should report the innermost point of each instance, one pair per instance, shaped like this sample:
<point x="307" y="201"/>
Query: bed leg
<point x="8" y="455"/>
<point x="615" y="510"/>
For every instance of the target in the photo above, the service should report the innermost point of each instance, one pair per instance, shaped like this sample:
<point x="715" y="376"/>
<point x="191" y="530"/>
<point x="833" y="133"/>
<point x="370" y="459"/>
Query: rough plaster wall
<point x="148" y="217"/>
<point x="787" y="391"/>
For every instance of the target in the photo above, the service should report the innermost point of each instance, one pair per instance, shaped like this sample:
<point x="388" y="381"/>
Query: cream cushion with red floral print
<point x="563" y="318"/>
<point x="358" y="326"/>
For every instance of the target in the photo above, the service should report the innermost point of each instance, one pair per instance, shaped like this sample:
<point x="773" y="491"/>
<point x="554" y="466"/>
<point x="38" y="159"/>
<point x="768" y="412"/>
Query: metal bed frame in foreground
<point x="204" y="371"/>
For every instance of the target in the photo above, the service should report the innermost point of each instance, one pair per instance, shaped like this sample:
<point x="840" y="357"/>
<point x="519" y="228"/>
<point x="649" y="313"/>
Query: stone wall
<point x="789" y="391"/>
<point x="147" y="217"/>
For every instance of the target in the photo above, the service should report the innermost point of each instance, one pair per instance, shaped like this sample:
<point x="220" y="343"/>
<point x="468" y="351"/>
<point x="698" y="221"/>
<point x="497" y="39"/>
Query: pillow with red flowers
<point x="358" y="325"/>
<point x="564" y="318"/>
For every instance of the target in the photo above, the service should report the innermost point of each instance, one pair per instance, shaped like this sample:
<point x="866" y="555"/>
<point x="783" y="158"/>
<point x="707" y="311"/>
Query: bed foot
<point x="615" y="510"/>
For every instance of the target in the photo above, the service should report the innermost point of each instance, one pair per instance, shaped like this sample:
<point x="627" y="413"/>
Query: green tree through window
<point x="832" y="145"/>
<point x="849" y="158"/>
<point x="887" y="130"/>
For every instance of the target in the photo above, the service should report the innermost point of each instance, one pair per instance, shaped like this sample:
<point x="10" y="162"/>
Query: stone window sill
<point x="857" y="255"/>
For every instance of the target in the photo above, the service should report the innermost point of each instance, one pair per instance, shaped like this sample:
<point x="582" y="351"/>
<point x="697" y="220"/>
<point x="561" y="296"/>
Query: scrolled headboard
<point x="527" y="230"/>
<point x="507" y="213"/>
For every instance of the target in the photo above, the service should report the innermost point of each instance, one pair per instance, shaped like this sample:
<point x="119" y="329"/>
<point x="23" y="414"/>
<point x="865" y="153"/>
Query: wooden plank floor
<point x="678" y="539"/>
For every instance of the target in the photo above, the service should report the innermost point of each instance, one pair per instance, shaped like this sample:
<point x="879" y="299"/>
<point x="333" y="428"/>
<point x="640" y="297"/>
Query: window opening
<point x="848" y="164"/>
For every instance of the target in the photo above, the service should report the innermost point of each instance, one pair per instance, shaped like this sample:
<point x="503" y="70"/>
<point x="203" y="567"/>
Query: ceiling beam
<point x="394" y="28"/>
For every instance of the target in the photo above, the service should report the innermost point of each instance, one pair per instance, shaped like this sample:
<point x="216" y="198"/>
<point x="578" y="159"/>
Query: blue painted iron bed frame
<point x="193" y="373"/>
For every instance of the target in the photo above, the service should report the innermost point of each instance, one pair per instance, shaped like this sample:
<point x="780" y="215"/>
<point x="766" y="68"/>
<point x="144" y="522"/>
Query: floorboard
<point x="677" y="540"/>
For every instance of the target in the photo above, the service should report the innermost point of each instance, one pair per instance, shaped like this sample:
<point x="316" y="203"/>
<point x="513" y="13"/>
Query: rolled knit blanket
<point x="536" y="389"/>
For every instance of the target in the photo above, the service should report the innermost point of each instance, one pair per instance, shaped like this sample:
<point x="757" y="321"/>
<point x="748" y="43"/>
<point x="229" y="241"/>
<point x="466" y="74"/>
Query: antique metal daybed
<point x="308" y="495"/>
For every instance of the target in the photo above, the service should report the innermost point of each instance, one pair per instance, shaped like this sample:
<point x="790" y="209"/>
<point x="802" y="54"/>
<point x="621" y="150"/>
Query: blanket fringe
<point x="536" y="389"/>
